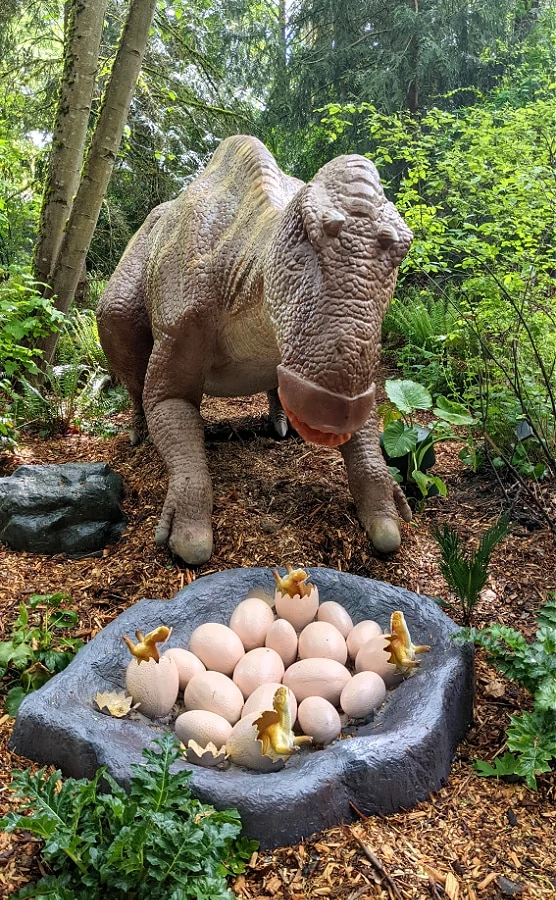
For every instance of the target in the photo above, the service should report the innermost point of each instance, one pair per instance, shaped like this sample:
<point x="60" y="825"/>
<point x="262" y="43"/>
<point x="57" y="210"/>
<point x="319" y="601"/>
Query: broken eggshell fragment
<point x="209" y="756"/>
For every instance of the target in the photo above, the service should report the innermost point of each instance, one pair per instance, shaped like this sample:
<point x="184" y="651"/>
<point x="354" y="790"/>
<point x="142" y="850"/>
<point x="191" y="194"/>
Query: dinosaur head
<point x="329" y="279"/>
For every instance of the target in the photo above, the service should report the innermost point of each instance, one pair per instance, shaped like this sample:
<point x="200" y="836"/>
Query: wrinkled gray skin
<point x="250" y="281"/>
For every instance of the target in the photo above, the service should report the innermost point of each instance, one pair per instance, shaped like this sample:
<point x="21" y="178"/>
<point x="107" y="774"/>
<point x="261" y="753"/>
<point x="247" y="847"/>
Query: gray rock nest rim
<point x="391" y="763"/>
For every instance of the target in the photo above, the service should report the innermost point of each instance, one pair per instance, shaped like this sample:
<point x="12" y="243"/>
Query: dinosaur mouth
<point x="313" y="435"/>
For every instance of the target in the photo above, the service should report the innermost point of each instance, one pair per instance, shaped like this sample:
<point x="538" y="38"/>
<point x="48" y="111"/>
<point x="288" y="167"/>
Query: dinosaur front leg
<point x="171" y="398"/>
<point x="278" y="418"/>
<point x="177" y="430"/>
<point x="379" y="500"/>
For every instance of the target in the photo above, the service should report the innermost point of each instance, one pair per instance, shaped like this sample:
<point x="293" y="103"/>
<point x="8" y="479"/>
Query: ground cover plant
<point x="39" y="645"/>
<point x="156" y="842"/>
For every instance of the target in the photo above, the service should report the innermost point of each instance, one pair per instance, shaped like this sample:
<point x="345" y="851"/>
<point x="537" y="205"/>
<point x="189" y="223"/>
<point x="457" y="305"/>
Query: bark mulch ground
<point x="279" y="502"/>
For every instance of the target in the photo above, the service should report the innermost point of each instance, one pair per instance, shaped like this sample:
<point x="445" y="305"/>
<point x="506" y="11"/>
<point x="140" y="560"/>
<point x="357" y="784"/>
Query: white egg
<point x="217" y="646"/>
<point x="251" y="620"/>
<point x="336" y="615"/>
<point x="188" y="664"/>
<point x="257" y="667"/>
<point x="364" y="693"/>
<point x="319" y="719"/>
<point x="323" y="640"/>
<point x="216" y="693"/>
<point x="282" y="637"/>
<point x="361" y="633"/>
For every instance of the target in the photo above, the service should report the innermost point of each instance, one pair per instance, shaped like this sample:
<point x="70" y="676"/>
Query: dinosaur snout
<point x="320" y="415"/>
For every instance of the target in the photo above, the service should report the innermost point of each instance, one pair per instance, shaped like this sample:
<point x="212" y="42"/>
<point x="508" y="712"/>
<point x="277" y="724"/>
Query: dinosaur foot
<point x="384" y="534"/>
<point x="191" y="541"/>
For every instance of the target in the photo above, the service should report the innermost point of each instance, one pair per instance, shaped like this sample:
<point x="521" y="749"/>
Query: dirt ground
<point x="279" y="502"/>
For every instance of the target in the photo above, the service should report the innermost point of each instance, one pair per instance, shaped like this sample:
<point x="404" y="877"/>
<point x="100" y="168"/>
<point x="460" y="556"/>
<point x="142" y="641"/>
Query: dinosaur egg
<point x="336" y="615"/>
<point x="361" y="633"/>
<point x="217" y="646"/>
<point x="216" y="693"/>
<point x="319" y="719"/>
<point x="262" y="698"/>
<point x="188" y="664"/>
<point x="257" y="667"/>
<point x="374" y="657"/>
<point x="202" y="726"/>
<point x="317" y="677"/>
<point x="299" y="611"/>
<point x="321" y="639"/>
<point x="153" y="685"/>
<point x="282" y="637"/>
<point x="245" y="749"/>
<point x="251" y="620"/>
<point x="364" y="693"/>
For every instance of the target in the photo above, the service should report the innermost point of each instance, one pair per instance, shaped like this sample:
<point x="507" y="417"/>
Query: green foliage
<point x="531" y="735"/>
<point x="402" y="438"/>
<point x="156" y="842"/>
<point x="38" y="646"/>
<point x="24" y="315"/>
<point x="70" y="395"/>
<point x="466" y="574"/>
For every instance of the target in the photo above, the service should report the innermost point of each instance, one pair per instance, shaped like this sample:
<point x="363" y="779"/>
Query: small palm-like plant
<point x="466" y="574"/>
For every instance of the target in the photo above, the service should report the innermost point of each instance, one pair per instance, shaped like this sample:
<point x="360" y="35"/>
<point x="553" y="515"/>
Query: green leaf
<point x="15" y="653"/>
<point x="398" y="439"/>
<point x="503" y="766"/>
<point x="13" y="700"/>
<point x="450" y="411"/>
<point x="408" y="395"/>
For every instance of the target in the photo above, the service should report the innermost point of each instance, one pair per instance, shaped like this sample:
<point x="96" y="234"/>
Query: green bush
<point x="38" y="646"/>
<point x="531" y="735"/>
<point x="155" y="842"/>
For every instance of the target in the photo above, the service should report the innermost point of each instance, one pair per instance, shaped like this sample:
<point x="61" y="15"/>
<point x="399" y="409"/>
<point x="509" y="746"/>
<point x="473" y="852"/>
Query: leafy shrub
<point x="401" y="437"/>
<point x="38" y="646"/>
<point x="24" y="315"/>
<point x="156" y="842"/>
<point x="531" y="735"/>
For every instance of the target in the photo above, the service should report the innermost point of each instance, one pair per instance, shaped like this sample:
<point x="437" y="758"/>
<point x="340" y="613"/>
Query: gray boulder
<point x="73" y="508"/>
<point x="390" y="762"/>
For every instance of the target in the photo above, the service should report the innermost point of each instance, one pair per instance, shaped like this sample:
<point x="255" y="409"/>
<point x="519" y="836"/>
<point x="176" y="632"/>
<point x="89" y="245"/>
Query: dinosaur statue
<point x="251" y="281"/>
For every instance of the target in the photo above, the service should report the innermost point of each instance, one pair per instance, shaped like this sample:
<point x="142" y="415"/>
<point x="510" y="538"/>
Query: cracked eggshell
<point x="209" y="756"/>
<point x="244" y="748"/>
<point x="374" y="657"/>
<point x="321" y="639"/>
<point x="299" y="611"/>
<point x="203" y="727"/>
<point x="262" y="699"/>
<point x="319" y="719"/>
<point x="257" y="667"/>
<point x="336" y="615"/>
<point x="217" y="646"/>
<point x="188" y="664"/>
<point x="154" y="686"/>
<point x="317" y="677"/>
<point x="251" y="620"/>
<point x="282" y="637"/>
<point x="216" y="693"/>
<point x="364" y="693"/>
<point x="361" y="633"/>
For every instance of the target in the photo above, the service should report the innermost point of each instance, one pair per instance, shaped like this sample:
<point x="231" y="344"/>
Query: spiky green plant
<point x="466" y="574"/>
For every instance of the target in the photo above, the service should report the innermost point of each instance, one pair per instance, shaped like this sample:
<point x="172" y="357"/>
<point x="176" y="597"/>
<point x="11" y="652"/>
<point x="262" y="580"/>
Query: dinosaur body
<point x="253" y="281"/>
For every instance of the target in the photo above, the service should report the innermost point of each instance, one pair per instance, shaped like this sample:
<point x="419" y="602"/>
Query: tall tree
<point x="83" y="28"/>
<point x="66" y="265"/>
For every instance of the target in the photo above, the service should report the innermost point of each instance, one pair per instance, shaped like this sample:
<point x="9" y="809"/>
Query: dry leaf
<point x="495" y="688"/>
<point x="115" y="703"/>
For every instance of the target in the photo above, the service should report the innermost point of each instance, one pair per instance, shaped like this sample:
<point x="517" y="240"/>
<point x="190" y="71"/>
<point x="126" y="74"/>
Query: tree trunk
<point x="83" y="30"/>
<point x="100" y="161"/>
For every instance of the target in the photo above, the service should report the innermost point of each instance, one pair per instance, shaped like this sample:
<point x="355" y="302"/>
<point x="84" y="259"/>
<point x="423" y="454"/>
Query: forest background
<point x="453" y="100"/>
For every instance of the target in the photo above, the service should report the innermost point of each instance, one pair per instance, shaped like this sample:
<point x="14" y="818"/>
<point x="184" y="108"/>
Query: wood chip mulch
<point x="285" y="501"/>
